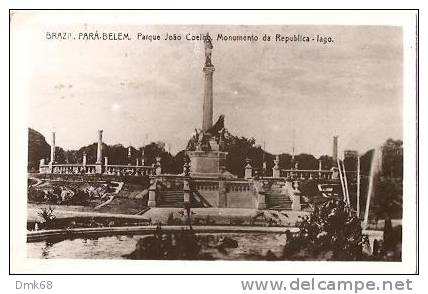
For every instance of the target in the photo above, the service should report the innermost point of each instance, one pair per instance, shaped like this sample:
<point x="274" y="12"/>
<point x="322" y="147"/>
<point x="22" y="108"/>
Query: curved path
<point x="38" y="181"/>
<point x="111" y="196"/>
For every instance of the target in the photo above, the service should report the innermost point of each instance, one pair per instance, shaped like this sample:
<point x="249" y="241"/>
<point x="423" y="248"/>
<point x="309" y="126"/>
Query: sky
<point x="140" y="91"/>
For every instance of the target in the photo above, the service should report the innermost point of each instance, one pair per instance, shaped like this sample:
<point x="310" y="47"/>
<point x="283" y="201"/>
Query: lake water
<point x="250" y="246"/>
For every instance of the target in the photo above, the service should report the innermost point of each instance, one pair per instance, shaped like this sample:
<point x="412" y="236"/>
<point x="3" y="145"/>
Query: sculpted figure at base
<point x="201" y="140"/>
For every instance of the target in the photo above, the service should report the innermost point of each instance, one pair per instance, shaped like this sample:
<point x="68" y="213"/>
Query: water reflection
<point x="247" y="247"/>
<point x="46" y="247"/>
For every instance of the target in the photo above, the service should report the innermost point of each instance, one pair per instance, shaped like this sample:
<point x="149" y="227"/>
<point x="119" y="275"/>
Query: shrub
<point x="170" y="220"/>
<point x="332" y="232"/>
<point x="35" y="195"/>
<point x="81" y="197"/>
<point x="48" y="217"/>
<point x="53" y="198"/>
<point x="180" y="245"/>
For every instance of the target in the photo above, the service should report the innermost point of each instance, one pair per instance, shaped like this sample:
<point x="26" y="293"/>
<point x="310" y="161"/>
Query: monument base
<point x="207" y="163"/>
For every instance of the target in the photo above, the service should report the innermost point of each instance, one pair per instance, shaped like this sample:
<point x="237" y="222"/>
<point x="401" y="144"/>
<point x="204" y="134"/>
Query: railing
<point x="306" y="174"/>
<point x="206" y="185"/>
<point x="44" y="169"/>
<point x="315" y="174"/>
<point x="68" y="169"/>
<point x="135" y="170"/>
<point x="129" y="170"/>
<point x="238" y="186"/>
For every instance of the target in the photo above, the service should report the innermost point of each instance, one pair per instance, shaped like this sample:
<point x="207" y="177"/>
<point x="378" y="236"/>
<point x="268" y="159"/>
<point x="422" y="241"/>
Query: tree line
<point x="239" y="148"/>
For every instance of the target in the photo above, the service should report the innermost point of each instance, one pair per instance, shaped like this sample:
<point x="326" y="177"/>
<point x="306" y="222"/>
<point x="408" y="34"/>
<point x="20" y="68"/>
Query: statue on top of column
<point x="208" y="50"/>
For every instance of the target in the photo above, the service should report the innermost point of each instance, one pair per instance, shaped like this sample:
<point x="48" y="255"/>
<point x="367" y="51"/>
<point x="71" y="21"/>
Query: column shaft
<point x="207" y="119"/>
<point x="53" y="148"/>
<point x="100" y="147"/>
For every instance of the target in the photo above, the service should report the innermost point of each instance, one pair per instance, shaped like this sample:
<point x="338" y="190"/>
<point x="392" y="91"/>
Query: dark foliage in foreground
<point x="59" y="196"/>
<point x="180" y="245"/>
<point x="331" y="232"/>
<point x="48" y="217"/>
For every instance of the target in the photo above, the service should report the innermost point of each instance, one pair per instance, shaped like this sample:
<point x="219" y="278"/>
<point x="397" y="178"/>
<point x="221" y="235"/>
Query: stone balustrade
<point x="306" y="174"/>
<point x="129" y="170"/>
<point x="94" y="169"/>
<point x="294" y="174"/>
<point x="238" y="186"/>
<point x="68" y="169"/>
<point x="206" y="185"/>
<point x="251" y="172"/>
<point x="99" y="167"/>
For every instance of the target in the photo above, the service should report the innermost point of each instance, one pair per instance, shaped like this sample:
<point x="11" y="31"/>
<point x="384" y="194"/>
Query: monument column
<point x="335" y="143"/>
<point x="52" y="161"/>
<point x="84" y="159"/>
<point x="53" y="149"/>
<point x="207" y="160"/>
<point x="100" y="147"/>
<point x="207" y="120"/>
<point x="98" y="166"/>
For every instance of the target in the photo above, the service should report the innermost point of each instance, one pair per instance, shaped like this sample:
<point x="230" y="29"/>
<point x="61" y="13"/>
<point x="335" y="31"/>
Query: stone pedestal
<point x="186" y="191"/>
<point x="248" y="170"/>
<point x="152" y="194"/>
<point x="334" y="173"/>
<point x="222" y="194"/>
<point x="296" y="205"/>
<point x="214" y="145"/>
<point x="158" y="170"/>
<point x="206" y="163"/>
<point x="261" y="201"/>
<point x="42" y="166"/>
<point x="260" y="197"/>
<point x="275" y="169"/>
<point x="98" y="168"/>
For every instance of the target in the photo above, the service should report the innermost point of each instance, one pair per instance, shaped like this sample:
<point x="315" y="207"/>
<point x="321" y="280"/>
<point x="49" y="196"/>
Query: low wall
<point x="210" y="196"/>
<point x="243" y="199"/>
<point x="38" y="236"/>
<point x="238" y="193"/>
<point x="233" y="199"/>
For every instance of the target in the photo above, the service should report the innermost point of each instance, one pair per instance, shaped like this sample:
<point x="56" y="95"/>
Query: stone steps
<point x="170" y="199"/>
<point x="174" y="199"/>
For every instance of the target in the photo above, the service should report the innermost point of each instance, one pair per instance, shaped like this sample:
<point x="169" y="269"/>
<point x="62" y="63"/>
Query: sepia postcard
<point x="264" y="141"/>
